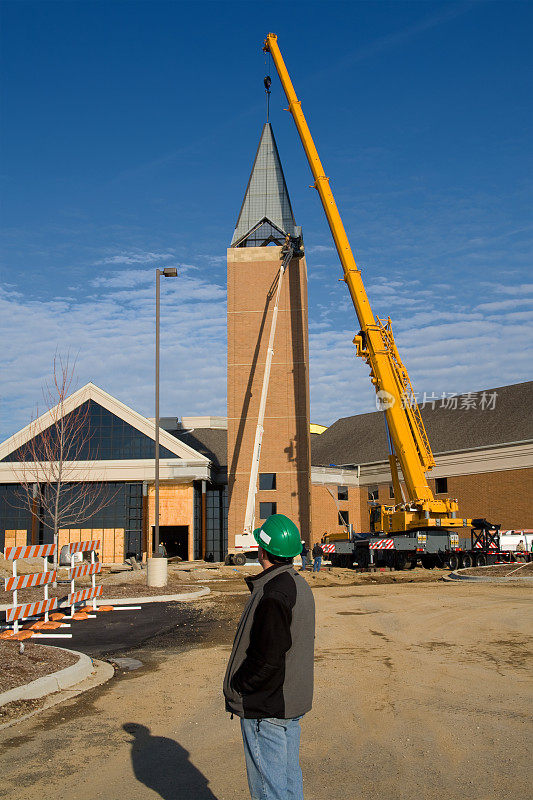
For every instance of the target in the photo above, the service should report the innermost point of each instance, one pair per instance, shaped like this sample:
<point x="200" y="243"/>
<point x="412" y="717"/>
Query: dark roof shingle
<point x="210" y="442"/>
<point x="362" y="439"/>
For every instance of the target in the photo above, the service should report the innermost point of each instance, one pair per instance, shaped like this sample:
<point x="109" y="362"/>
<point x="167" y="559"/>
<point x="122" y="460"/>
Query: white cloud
<point x="504" y="305"/>
<point x="319" y="248"/>
<point x="448" y="343"/>
<point x="447" y="347"/>
<point x="136" y="257"/>
<point x="519" y="288"/>
<point x="113" y="335"/>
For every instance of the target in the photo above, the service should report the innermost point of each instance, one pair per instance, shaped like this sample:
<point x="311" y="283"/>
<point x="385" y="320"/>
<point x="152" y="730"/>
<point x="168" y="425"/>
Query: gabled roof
<point x="212" y="442"/>
<point x="266" y="213"/>
<point x="362" y="440"/>
<point x="92" y="392"/>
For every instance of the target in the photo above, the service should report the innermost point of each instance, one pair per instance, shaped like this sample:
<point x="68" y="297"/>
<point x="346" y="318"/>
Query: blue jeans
<point x="316" y="564"/>
<point x="304" y="562"/>
<point x="272" y="753"/>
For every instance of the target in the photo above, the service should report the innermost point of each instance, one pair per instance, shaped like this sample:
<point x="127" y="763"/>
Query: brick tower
<point x="253" y="266"/>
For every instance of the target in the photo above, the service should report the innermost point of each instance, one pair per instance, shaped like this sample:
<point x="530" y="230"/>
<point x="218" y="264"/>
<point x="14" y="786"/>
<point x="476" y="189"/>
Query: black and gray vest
<point x="270" y="670"/>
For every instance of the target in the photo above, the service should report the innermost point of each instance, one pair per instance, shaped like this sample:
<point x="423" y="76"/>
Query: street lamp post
<point x="157" y="569"/>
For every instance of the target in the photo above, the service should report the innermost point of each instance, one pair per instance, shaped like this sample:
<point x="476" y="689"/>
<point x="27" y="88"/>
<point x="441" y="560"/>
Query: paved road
<point x="117" y="631"/>
<point x="422" y="691"/>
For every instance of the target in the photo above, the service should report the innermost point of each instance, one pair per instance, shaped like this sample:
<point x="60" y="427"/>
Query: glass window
<point x="344" y="518"/>
<point x="391" y="491"/>
<point x="96" y="435"/>
<point x="441" y="485"/>
<point x="342" y="492"/>
<point x="217" y="521"/>
<point x="373" y="494"/>
<point x="266" y="509"/>
<point x="14" y="512"/>
<point x="267" y="481"/>
<point x="122" y="508"/>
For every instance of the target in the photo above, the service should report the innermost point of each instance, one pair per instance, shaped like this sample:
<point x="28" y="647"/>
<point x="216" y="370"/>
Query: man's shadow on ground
<point x="164" y="766"/>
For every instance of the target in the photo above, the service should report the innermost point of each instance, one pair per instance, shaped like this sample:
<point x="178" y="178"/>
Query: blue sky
<point x="129" y="130"/>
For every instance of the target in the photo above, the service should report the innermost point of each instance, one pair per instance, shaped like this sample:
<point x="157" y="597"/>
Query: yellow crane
<point x="409" y="445"/>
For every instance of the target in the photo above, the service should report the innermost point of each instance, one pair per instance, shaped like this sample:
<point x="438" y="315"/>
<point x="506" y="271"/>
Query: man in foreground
<point x="269" y="678"/>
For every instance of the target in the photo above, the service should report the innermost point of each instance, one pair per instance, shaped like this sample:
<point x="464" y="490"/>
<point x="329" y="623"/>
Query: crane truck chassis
<point x="432" y="548"/>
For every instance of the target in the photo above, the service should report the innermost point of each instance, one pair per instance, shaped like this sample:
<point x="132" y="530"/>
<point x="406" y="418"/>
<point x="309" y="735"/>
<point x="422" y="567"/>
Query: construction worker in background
<point x="269" y="678"/>
<point x="304" y="554"/>
<point x="318" y="554"/>
<point x="520" y="546"/>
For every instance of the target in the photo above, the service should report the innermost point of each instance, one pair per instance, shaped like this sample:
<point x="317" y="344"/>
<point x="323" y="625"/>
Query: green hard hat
<point x="280" y="536"/>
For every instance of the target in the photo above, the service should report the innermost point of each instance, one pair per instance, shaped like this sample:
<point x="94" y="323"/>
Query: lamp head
<point x="170" y="272"/>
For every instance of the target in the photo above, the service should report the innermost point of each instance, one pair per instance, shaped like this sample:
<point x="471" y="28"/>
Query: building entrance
<point x="176" y="540"/>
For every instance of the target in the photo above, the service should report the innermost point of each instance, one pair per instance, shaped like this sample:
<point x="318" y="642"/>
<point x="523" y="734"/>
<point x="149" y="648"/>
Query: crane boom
<point x="375" y="344"/>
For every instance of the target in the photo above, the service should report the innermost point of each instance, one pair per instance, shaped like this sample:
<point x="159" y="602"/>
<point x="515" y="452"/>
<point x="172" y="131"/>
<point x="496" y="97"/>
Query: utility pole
<point x="156" y="563"/>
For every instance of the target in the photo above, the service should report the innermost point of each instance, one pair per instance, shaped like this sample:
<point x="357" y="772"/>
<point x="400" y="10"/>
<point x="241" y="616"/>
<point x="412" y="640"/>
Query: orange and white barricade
<point x="19" y="613"/>
<point x="82" y="570"/>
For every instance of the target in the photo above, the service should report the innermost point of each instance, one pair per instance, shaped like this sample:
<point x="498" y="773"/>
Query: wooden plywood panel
<point x="21" y="537"/>
<point x="63" y="537"/>
<point x="175" y="505"/>
<point x="119" y="545"/>
<point x="98" y="534"/>
<point x="10" y="539"/>
<point x="108" y="545"/>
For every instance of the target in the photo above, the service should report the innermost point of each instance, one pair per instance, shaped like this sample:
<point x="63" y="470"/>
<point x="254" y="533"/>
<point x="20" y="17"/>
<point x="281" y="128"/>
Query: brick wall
<point x="285" y="449"/>
<point x="501" y="497"/>
<point x="325" y="515"/>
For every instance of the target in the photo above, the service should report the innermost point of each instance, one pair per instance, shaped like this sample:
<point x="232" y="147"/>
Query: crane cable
<point x="268" y="83"/>
<point x="338" y="507"/>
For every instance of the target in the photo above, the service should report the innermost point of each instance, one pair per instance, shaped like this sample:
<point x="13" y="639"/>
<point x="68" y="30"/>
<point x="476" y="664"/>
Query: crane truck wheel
<point x="412" y="564"/>
<point x="481" y="560"/>
<point x="428" y="562"/>
<point x="452" y="561"/>
<point x="467" y="560"/>
<point x="228" y="561"/>
<point x="400" y="561"/>
<point x="239" y="559"/>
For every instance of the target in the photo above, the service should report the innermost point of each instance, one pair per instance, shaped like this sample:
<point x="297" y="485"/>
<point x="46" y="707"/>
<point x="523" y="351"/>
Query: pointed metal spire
<point x="266" y="214"/>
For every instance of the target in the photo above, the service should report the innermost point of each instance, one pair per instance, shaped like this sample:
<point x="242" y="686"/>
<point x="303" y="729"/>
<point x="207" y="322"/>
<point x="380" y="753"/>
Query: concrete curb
<point x="162" y="598"/>
<point x="127" y="601"/>
<point x="102" y="672"/>
<point x="55" y="682"/>
<point x="456" y="576"/>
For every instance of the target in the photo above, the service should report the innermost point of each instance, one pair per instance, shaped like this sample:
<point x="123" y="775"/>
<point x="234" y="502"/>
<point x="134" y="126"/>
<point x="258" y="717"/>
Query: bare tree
<point x="54" y="466"/>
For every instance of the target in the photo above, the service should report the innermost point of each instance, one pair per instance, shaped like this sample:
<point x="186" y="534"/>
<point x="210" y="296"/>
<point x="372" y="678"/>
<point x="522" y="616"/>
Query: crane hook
<point x="268" y="83"/>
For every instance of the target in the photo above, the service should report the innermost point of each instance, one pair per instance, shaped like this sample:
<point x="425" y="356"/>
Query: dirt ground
<point x="422" y="690"/>
<point x="37" y="660"/>
<point x="524" y="570"/>
<point x="188" y="577"/>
